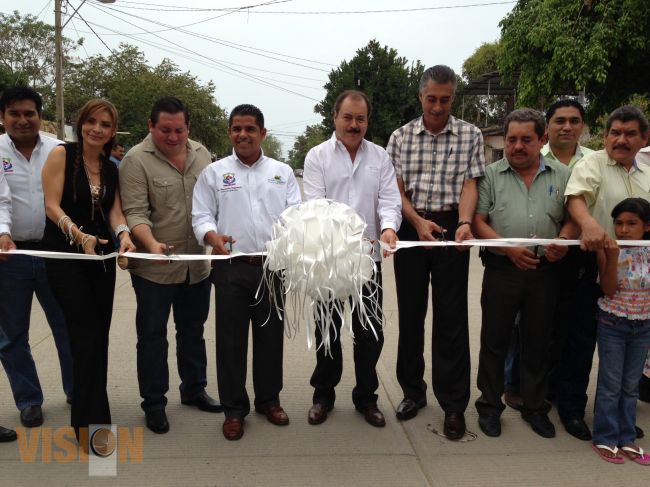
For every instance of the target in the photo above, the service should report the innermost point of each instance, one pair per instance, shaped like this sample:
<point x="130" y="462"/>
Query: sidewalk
<point x="343" y="451"/>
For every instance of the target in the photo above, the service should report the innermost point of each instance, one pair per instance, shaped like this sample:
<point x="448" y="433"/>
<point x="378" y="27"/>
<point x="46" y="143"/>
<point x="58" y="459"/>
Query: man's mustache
<point x="353" y="130"/>
<point x="622" y="146"/>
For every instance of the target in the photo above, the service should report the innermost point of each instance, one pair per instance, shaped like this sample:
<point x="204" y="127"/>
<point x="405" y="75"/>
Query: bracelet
<point x="85" y="239"/>
<point x="122" y="228"/>
<point x="463" y="222"/>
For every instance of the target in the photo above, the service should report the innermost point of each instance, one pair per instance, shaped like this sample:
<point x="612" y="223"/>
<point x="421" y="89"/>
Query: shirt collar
<point x="635" y="165"/>
<point x="256" y="163"/>
<point x="504" y="165"/>
<point x="39" y="142"/>
<point x="547" y="152"/>
<point x="337" y="144"/>
<point x="450" y="127"/>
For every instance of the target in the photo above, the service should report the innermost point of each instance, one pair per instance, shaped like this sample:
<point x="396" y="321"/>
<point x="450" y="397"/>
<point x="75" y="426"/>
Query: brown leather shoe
<point x="318" y="413"/>
<point x="233" y="428"/>
<point x="513" y="400"/>
<point x="275" y="415"/>
<point x="454" y="428"/>
<point x="373" y="415"/>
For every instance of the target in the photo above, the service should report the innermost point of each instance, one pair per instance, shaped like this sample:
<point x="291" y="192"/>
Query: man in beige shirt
<point x="598" y="182"/>
<point x="157" y="180"/>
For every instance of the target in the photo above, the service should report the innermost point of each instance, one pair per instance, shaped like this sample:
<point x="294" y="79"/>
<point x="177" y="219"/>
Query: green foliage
<point x="473" y="108"/>
<point x="482" y="61"/>
<point x="388" y="80"/>
<point x="133" y="86"/>
<point x="27" y="51"/>
<point x="596" y="139"/>
<point x="272" y="147"/>
<point x="560" y="47"/>
<point x="313" y="135"/>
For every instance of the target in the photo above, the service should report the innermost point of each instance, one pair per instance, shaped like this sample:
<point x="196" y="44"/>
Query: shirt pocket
<point x="166" y="191"/>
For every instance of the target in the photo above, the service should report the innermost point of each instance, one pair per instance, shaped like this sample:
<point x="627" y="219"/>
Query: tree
<point x="125" y="78"/>
<point x="313" y="135"/>
<point x="27" y="49"/>
<point x="559" y="47"/>
<point x="473" y="108"/>
<point x="272" y="147"/>
<point x="388" y="80"/>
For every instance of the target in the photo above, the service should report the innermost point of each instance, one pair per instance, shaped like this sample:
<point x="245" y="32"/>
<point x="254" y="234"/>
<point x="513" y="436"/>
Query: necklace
<point x="95" y="190"/>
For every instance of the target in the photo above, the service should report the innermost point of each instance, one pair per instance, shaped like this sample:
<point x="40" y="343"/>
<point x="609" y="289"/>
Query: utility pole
<point x="58" y="63"/>
<point x="58" y="66"/>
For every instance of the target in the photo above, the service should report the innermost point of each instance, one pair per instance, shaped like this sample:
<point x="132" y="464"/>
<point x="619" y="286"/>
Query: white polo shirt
<point x="368" y="184"/>
<point x="242" y="201"/>
<point x="24" y="178"/>
<point x="5" y="204"/>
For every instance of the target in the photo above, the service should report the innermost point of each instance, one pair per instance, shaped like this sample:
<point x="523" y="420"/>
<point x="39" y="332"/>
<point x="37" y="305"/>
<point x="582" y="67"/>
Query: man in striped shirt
<point x="438" y="159"/>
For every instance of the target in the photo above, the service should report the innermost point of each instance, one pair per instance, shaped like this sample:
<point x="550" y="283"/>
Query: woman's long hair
<point x="92" y="106"/>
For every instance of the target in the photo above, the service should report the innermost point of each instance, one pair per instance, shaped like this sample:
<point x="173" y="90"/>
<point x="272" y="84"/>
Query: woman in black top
<point x="83" y="207"/>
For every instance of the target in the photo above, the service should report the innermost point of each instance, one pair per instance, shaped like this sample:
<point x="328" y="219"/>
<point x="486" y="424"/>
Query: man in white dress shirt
<point x="23" y="152"/>
<point x="236" y="201"/>
<point x="354" y="171"/>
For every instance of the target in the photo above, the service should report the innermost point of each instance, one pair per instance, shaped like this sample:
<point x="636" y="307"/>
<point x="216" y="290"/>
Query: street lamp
<point x="58" y="65"/>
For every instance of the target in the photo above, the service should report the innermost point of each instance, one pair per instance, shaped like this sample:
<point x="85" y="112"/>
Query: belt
<point x="29" y="245"/>
<point x="490" y="258"/>
<point x="257" y="260"/>
<point x="435" y="215"/>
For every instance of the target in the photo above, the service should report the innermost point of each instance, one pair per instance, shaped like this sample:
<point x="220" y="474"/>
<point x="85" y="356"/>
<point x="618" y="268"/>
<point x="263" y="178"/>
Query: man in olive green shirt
<point x="519" y="196"/>
<point x="157" y="179"/>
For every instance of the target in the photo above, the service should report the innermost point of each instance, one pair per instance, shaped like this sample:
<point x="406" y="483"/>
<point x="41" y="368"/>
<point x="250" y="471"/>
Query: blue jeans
<point x="191" y="304"/>
<point x="622" y="349"/>
<point x="20" y="277"/>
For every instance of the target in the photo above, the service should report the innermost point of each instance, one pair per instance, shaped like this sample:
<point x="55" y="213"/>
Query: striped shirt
<point x="434" y="167"/>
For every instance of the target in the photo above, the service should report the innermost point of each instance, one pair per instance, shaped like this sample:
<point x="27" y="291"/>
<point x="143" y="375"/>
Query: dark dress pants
<point x="506" y="291"/>
<point x="366" y="350"/>
<point x="236" y="283"/>
<point x="84" y="291"/>
<point x="446" y="270"/>
<point x="576" y="356"/>
<point x="191" y="305"/>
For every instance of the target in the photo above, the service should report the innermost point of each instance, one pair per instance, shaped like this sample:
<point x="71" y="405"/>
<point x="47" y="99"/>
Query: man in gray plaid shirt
<point x="438" y="159"/>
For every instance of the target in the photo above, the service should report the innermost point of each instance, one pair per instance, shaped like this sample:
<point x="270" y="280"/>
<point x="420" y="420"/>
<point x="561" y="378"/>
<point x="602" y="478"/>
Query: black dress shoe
<point x="7" y="435"/>
<point x="204" y="403"/>
<point x="490" y="424"/>
<point x="373" y="415"/>
<point x="454" y="427"/>
<point x="157" y="421"/>
<point x="31" y="416"/>
<point x="540" y="423"/>
<point x="408" y="408"/>
<point x="578" y="428"/>
<point x="318" y="413"/>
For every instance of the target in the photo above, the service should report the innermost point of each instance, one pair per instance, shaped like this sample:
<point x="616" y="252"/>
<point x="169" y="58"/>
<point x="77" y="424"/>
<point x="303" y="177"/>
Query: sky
<point x="292" y="44"/>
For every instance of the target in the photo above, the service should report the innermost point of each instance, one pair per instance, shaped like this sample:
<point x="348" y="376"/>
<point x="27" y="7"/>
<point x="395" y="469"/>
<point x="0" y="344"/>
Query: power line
<point x="247" y="75"/>
<point x="247" y="10"/>
<point x="137" y="39"/>
<point x="216" y="40"/>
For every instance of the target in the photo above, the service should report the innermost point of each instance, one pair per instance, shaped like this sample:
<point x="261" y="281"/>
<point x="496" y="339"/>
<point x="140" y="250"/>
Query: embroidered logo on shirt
<point x="277" y="179"/>
<point x="229" y="179"/>
<point x="7" y="165"/>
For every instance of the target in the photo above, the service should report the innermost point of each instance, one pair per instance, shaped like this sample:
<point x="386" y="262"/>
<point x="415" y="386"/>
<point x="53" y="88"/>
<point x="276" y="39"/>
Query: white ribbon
<point x="325" y="263"/>
<point x="401" y="244"/>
